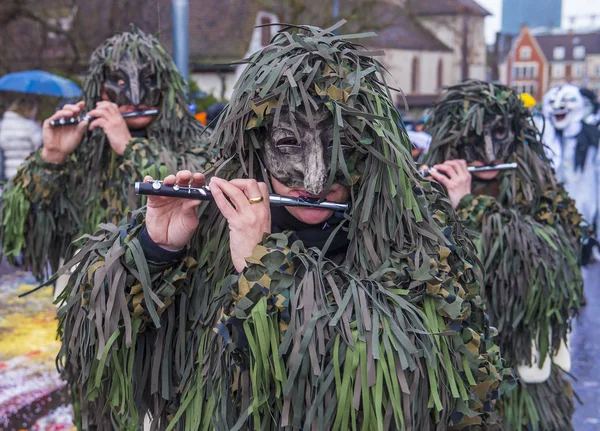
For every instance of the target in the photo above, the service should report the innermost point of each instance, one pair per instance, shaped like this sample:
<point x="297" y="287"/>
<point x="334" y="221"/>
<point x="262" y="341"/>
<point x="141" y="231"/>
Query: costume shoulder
<point x="38" y="215"/>
<point x="150" y="156"/>
<point x="141" y="319"/>
<point x="591" y="133"/>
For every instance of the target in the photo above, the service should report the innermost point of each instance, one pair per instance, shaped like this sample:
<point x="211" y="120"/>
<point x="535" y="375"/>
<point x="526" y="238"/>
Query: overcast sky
<point x="579" y="9"/>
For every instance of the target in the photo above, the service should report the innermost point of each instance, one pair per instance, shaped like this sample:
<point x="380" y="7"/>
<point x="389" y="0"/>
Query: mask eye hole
<point x="499" y="132"/>
<point x="121" y="83"/>
<point x="147" y="81"/>
<point x="287" y="143"/>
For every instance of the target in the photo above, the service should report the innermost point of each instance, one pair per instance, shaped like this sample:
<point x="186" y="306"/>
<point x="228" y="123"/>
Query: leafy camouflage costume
<point x="529" y="243"/>
<point x="46" y="206"/>
<point x="385" y="333"/>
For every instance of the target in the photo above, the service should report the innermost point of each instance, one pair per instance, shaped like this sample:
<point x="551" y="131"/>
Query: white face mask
<point x="564" y="106"/>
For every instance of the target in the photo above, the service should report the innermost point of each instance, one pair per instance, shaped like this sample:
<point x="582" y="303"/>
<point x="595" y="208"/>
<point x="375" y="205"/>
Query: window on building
<point x="598" y="70"/>
<point x="265" y="32"/>
<point x="533" y="71"/>
<point x="558" y="53"/>
<point x="414" y="81"/>
<point x="440" y="74"/>
<point x="558" y="70"/>
<point x="526" y="88"/>
<point x="525" y="52"/>
<point x="579" y="52"/>
<point x="577" y="70"/>
<point x="532" y="89"/>
<point x="520" y="72"/>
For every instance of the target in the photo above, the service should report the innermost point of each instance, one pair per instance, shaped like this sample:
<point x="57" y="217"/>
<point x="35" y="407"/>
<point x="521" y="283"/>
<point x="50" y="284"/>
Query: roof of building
<point x="448" y="7"/>
<point x="401" y="31"/>
<point x="547" y="42"/>
<point x="220" y="33"/>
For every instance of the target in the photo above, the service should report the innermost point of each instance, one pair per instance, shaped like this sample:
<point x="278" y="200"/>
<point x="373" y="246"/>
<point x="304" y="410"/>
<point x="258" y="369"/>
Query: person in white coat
<point x="573" y="148"/>
<point x="19" y="135"/>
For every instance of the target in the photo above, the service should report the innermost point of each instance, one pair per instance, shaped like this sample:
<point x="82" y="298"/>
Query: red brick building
<point x="526" y="65"/>
<point x="541" y="59"/>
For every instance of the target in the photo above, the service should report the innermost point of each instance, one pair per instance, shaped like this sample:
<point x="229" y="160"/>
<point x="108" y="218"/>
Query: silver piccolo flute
<point x="157" y="188"/>
<point x="474" y="169"/>
<point x="76" y="120"/>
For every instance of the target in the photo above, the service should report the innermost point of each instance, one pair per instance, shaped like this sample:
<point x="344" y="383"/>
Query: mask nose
<point x="133" y="92"/>
<point x="315" y="176"/>
<point x="490" y="155"/>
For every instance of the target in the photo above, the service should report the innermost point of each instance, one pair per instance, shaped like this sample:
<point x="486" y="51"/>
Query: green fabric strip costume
<point x="530" y="242"/>
<point x="386" y="333"/>
<point x="47" y="206"/>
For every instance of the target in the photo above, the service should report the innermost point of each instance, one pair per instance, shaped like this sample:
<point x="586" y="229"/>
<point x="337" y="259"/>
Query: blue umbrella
<point x="39" y="82"/>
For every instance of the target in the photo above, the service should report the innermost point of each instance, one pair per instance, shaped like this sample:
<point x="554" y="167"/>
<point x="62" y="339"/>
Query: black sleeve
<point x="155" y="253"/>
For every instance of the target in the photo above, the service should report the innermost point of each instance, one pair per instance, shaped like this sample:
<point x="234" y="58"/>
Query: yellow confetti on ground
<point x="28" y="325"/>
<point x="21" y="335"/>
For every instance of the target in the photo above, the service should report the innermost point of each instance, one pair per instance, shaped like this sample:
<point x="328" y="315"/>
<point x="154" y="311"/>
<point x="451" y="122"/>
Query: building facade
<point x="427" y="44"/>
<point x="526" y="65"/>
<point x="593" y="71"/>
<point x="461" y="28"/>
<point x="541" y="59"/>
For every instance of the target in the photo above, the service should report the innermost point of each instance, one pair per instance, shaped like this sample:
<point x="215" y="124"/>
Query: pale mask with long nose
<point x="302" y="160"/>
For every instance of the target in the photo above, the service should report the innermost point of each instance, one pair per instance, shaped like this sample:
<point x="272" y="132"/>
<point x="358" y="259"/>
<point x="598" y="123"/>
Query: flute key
<point x="76" y="120"/>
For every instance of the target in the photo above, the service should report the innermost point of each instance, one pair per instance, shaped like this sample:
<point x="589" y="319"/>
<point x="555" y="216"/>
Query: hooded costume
<point x="46" y="206"/>
<point x="530" y="244"/>
<point x="372" y="319"/>
<point x="591" y="112"/>
<point x="573" y="148"/>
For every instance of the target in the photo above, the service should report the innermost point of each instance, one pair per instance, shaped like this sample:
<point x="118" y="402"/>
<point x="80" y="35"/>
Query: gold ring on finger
<point x="255" y="200"/>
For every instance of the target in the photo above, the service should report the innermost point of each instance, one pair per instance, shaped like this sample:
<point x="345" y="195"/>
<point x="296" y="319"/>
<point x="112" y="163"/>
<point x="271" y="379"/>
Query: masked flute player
<point x="530" y="242"/>
<point x="81" y="176"/>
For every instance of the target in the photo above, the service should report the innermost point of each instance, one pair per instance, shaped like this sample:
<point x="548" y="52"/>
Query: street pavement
<point x="585" y="355"/>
